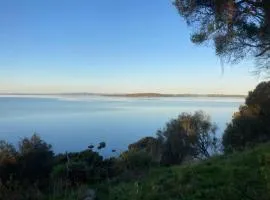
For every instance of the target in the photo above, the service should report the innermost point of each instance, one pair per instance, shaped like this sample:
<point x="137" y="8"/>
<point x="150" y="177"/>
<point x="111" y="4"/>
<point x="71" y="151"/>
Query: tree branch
<point x="263" y="52"/>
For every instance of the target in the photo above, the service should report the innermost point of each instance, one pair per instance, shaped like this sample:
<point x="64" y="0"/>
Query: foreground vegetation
<point x="184" y="161"/>
<point x="241" y="175"/>
<point x="244" y="175"/>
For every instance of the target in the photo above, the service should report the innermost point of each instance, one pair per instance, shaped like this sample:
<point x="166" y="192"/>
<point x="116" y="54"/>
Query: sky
<point x="108" y="46"/>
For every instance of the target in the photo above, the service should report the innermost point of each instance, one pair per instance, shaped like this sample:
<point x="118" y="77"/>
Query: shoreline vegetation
<point x="129" y="95"/>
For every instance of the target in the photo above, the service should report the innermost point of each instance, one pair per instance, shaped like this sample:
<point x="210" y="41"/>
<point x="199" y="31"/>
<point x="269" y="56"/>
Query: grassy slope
<point x="239" y="176"/>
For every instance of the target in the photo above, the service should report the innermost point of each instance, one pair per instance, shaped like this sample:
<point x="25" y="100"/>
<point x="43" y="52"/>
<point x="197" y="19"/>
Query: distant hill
<point x="171" y="95"/>
<point x="131" y="95"/>
<point x="139" y="95"/>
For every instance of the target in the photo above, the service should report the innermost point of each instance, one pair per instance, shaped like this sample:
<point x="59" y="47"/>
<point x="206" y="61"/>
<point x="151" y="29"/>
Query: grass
<point x="239" y="176"/>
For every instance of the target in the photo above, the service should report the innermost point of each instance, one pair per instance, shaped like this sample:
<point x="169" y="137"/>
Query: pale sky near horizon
<point x="108" y="46"/>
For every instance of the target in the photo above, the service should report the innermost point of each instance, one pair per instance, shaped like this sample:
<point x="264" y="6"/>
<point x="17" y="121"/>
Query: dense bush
<point x="24" y="172"/>
<point x="190" y="136"/>
<point x="145" y="143"/>
<point x="35" y="159"/>
<point x="187" y="137"/>
<point x="148" y="145"/>
<point x="32" y="163"/>
<point x="134" y="160"/>
<point x="8" y="161"/>
<point x="250" y="125"/>
<point x="80" y="167"/>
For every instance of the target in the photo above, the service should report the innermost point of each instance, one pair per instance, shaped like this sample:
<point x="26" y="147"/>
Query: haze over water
<point x="72" y="123"/>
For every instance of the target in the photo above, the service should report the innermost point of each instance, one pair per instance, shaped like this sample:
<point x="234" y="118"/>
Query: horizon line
<point x="134" y="94"/>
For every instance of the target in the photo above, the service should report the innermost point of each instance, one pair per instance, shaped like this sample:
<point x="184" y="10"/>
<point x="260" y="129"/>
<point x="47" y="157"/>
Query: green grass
<point x="239" y="176"/>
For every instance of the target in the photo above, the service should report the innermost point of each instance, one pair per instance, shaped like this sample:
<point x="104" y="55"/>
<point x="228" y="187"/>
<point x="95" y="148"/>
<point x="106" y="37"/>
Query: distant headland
<point x="172" y="95"/>
<point x="131" y="95"/>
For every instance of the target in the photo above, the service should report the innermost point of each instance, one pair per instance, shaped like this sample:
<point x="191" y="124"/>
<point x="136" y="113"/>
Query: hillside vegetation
<point x="239" y="176"/>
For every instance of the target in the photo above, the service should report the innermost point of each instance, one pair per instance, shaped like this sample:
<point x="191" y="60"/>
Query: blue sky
<point x="108" y="46"/>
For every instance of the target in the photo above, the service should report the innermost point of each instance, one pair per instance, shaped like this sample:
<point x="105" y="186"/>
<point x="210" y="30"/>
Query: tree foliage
<point x="250" y="125"/>
<point x="144" y="143"/>
<point x="8" y="161"/>
<point x="136" y="159"/>
<point x="7" y="152"/>
<point x="78" y="167"/>
<point x="33" y="162"/>
<point x="188" y="136"/>
<point x="36" y="158"/>
<point x="148" y="145"/>
<point x="237" y="28"/>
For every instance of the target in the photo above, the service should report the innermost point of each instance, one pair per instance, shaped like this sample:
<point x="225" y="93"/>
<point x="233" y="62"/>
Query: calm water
<point x="71" y="124"/>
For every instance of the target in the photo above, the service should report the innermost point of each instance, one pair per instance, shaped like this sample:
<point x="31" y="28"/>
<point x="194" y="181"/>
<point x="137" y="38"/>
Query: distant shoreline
<point x="130" y="95"/>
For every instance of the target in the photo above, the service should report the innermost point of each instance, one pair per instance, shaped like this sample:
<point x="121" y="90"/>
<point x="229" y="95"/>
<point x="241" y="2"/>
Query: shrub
<point x="250" y="125"/>
<point x="148" y="145"/>
<point x="8" y="161"/>
<point x="80" y="167"/>
<point x="187" y="137"/>
<point x="35" y="159"/>
<point x="59" y="172"/>
<point x="134" y="160"/>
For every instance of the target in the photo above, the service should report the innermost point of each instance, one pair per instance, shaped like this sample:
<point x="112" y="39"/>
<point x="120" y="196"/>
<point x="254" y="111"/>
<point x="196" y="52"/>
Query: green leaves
<point x="199" y="38"/>
<point x="250" y="125"/>
<point x="238" y="29"/>
<point x="187" y="137"/>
